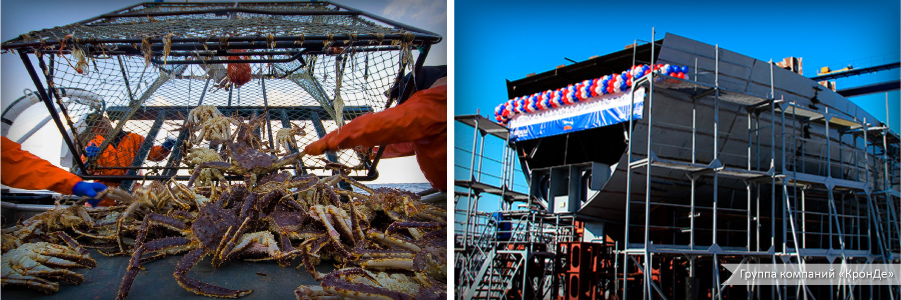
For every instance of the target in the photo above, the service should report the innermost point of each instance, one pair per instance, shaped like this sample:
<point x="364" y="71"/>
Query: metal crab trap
<point x="306" y="66"/>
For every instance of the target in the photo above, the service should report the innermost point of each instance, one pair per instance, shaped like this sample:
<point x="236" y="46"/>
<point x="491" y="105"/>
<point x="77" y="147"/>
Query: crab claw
<point x="198" y="287"/>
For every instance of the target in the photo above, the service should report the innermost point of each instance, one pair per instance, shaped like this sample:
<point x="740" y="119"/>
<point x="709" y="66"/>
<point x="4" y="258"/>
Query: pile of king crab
<point x="384" y="243"/>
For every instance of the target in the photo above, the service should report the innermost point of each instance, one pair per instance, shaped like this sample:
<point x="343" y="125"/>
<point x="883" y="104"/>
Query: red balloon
<point x="681" y="75"/>
<point x="610" y="89"/>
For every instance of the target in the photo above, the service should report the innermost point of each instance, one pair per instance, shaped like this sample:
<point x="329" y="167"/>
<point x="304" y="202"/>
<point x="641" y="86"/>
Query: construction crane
<point x="826" y="71"/>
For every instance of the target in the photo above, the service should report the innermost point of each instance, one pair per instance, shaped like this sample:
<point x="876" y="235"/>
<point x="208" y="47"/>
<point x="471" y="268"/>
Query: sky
<point x="506" y="40"/>
<point x="18" y="17"/>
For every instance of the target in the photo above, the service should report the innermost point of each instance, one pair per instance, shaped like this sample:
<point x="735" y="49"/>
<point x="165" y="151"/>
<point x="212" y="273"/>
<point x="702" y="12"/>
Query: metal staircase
<point x="498" y="275"/>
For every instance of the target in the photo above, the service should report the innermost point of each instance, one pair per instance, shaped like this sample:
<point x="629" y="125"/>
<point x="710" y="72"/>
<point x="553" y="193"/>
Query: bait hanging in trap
<point x="302" y="68"/>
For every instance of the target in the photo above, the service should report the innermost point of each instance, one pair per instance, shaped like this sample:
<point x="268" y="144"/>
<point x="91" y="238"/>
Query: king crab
<point x="216" y="231"/>
<point x="246" y="158"/>
<point x="33" y="265"/>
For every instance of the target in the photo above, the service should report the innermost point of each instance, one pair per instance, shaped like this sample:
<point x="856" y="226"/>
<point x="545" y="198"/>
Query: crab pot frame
<point x="146" y="66"/>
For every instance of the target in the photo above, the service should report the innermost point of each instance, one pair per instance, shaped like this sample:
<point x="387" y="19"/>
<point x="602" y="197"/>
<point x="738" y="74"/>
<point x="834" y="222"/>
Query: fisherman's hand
<point x="169" y="143"/>
<point x="91" y="150"/>
<point x="317" y="147"/>
<point x="88" y="189"/>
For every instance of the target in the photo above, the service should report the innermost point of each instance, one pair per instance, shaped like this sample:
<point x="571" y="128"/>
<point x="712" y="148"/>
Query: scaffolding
<point x="491" y="248"/>
<point x="759" y="173"/>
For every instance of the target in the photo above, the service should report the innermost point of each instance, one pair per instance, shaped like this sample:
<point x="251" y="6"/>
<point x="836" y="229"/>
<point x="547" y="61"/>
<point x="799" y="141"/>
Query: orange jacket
<point x="123" y="154"/>
<point x="421" y="120"/>
<point x="21" y="169"/>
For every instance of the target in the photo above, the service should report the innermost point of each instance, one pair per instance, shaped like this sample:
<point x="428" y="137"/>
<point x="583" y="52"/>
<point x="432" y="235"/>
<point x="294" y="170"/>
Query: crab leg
<point x="264" y="238"/>
<point x="194" y="175"/>
<point x="357" y="184"/>
<point x="135" y="263"/>
<point x="397" y="253"/>
<point x="24" y="262"/>
<point x="288" y="160"/>
<point x="46" y="286"/>
<point x="72" y="243"/>
<point x="56" y="255"/>
<point x="179" y="191"/>
<point x="343" y="252"/>
<point x="388" y="263"/>
<point x="425" y="262"/>
<point x="319" y="212"/>
<point x="411" y="227"/>
<point x="93" y="236"/>
<point x="221" y="248"/>
<point x="223" y="252"/>
<point x="198" y="287"/>
<point x="333" y="284"/>
<point x="247" y="207"/>
<point x="81" y="212"/>
<point x="332" y="196"/>
<point x="351" y="194"/>
<point x="343" y="221"/>
<point x="180" y="214"/>
<point x="319" y="243"/>
<point x="358" y="234"/>
<point x="306" y="257"/>
<point x="392" y="241"/>
<point x="307" y="291"/>
<point x="284" y="247"/>
<point x="302" y="235"/>
<point x="166" y="246"/>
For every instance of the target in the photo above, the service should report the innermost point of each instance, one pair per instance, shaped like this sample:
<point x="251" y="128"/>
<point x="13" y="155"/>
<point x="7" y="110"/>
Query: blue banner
<point x="603" y="111"/>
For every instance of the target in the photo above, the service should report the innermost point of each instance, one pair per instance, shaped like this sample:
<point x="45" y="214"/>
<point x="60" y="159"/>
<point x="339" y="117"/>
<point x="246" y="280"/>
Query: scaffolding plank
<point x="700" y="168"/>
<point x="480" y="187"/>
<point x="485" y="125"/>
<point x="823" y="180"/>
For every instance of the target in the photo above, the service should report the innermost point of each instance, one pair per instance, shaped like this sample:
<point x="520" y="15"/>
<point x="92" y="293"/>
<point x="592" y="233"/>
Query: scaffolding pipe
<point x="716" y="141"/>
<point x="469" y="203"/>
<point x="481" y="155"/>
<point x="647" y="206"/>
<point x="772" y="161"/>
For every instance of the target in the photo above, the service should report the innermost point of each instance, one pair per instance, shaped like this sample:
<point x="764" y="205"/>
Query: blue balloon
<point x="685" y="69"/>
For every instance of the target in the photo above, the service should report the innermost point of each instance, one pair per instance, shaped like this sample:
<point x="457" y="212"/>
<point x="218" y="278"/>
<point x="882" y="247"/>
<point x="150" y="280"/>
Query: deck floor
<point x="267" y="280"/>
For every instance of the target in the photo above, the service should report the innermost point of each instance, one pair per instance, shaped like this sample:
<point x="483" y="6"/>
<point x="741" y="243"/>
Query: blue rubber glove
<point x="88" y="189"/>
<point x="91" y="150"/>
<point x="169" y="143"/>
